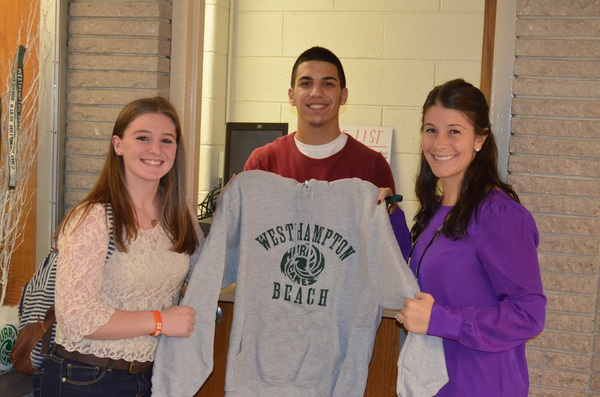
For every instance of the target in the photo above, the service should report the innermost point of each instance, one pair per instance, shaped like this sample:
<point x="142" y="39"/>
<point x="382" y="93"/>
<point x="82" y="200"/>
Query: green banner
<point x="14" y="115"/>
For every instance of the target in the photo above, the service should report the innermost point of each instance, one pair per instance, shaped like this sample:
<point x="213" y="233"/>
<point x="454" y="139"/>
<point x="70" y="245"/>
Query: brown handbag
<point x="29" y="336"/>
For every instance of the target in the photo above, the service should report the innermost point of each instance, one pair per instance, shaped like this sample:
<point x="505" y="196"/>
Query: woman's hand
<point x="383" y="193"/>
<point x="178" y="321"/>
<point x="416" y="313"/>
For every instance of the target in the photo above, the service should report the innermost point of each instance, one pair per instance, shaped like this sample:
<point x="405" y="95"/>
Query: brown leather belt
<point x="134" y="367"/>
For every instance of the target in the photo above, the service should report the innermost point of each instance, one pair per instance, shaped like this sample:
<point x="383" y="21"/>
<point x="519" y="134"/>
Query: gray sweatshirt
<point x="314" y="263"/>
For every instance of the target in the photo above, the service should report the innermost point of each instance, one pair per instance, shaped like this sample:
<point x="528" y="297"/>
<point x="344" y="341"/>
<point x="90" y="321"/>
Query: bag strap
<point x="111" y="240"/>
<point x="49" y="320"/>
<point x="50" y="317"/>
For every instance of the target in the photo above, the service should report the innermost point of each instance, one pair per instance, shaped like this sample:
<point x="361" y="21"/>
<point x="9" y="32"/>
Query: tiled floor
<point x="14" y="384"/>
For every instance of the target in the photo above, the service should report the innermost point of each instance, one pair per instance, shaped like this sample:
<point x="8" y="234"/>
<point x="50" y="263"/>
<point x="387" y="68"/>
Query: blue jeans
<point x="60" y="376"/>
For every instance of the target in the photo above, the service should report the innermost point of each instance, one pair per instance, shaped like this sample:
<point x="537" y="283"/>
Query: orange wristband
<point x="158" y="326"/>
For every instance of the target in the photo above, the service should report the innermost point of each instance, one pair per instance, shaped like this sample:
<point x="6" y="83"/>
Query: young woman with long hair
<point x="110" y="312"/>
<point x="474" y="251"/>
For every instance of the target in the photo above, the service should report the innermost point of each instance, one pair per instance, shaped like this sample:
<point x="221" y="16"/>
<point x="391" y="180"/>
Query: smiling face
<point x="449" y="144"/>
<point x="148" y="148"/>
<point x="317" y="95"/>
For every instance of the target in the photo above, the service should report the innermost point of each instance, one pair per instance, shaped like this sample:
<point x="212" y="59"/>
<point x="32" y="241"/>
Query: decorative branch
<point x="15" y="197"/>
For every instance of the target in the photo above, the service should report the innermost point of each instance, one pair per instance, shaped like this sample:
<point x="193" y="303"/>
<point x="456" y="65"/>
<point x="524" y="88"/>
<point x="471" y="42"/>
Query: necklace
<point x="145" y="217"/>
<point x="437" y="232"/>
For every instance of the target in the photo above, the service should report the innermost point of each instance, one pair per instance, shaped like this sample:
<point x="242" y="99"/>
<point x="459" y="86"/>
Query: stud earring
<point x="118" y="152"/>
<point x="477" y="149"/>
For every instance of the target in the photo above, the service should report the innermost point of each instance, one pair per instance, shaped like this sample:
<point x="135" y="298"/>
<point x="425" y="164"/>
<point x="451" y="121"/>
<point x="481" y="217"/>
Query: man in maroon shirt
<point x="318" y="149"/>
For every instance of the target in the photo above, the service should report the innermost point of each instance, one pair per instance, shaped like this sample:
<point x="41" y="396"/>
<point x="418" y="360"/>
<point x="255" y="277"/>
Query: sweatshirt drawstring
<point x="310" y="210"/>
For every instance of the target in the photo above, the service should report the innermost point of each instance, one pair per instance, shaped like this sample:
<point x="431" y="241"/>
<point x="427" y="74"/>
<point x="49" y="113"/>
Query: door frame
<point x="51" y="121"/>
<point x="185" y="91"/>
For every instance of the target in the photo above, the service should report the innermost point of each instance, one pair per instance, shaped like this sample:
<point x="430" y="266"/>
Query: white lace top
<point x="148" y="277"/>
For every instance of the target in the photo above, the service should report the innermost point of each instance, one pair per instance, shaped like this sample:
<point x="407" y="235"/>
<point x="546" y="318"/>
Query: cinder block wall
<point x="117" y="51"/>
<point x="555" y="167"/>
<point x="215" y="71"/>
<point x="393" y="52"/>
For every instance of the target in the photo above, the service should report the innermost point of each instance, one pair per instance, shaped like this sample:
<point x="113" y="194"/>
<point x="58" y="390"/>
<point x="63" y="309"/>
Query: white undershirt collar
<point x="322" y="151"/>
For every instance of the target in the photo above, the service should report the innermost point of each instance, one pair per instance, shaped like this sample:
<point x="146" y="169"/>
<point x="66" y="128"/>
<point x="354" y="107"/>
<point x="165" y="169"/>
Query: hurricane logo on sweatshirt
<point x="302" y="264"/>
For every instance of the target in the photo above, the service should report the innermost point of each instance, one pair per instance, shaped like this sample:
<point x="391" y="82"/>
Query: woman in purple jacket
<point x="474" y="251"/>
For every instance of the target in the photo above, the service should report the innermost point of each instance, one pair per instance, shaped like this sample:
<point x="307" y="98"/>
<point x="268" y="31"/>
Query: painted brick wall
<point x="555" y="167"/>
<point x="117" y="51"/>
<point x="215" y="72"/>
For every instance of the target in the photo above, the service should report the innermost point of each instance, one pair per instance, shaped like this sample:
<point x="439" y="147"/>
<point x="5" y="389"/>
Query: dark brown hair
<point x="110" y="187"/>
<point x="480" y="176"/>
<point x="323" y="55"/>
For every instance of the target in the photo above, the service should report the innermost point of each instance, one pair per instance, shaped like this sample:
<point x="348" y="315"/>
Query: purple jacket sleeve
<point x="505" y="237"/>
<point x="401" y="232"/>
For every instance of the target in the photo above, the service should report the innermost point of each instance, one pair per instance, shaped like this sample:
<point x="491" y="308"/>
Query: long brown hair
<point x="111" y="189"/>
<point x="480" y="176"/>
